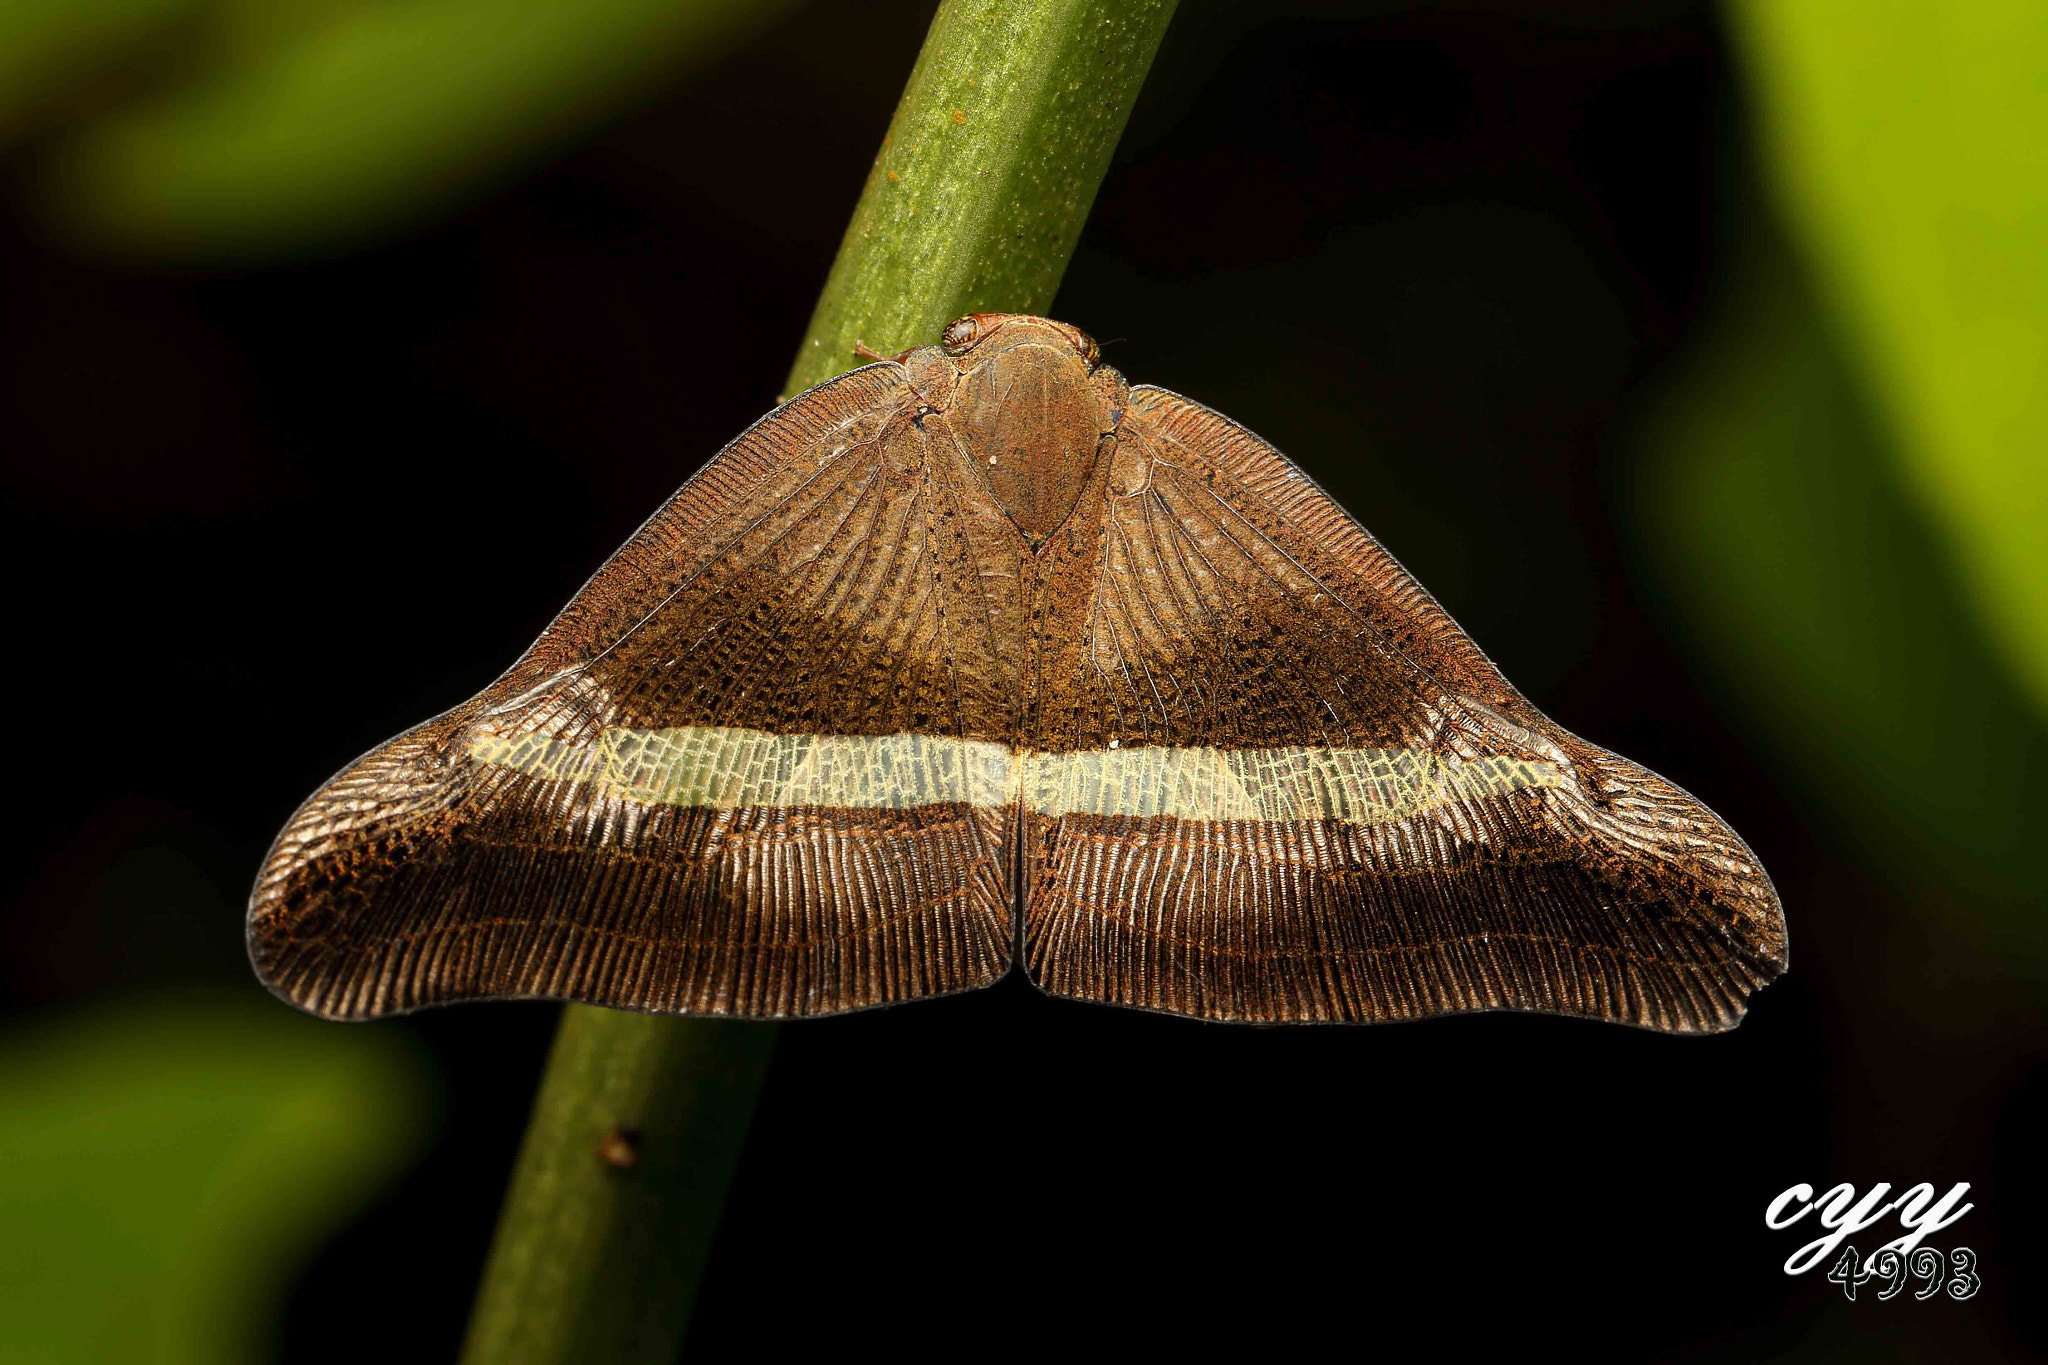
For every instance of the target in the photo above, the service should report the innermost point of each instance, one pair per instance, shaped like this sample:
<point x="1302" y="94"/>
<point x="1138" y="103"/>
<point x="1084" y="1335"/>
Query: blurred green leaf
<point x="311" y="125"/>
<point x="166" y="1166"/>
<point x="59" y="52"/>
<point x="1909" y="141"/>
<point x="1771" y="508"/>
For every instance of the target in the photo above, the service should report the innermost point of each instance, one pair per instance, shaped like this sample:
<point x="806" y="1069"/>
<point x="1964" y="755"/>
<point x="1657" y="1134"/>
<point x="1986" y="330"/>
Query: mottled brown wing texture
<point x="735" y="776"/>
<point x="1297" y="791"/>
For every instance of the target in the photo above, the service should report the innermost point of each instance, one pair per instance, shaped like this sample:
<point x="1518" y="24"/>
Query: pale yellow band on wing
<point x="1355" y="786"/>
<point x="724" y="769"/>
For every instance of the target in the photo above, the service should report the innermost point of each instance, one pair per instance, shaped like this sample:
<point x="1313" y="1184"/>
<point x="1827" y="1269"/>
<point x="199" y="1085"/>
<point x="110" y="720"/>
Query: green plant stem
<point x="634" y="1138"/>
<point x="988" y="171"/>
<point x="974" y="204"/>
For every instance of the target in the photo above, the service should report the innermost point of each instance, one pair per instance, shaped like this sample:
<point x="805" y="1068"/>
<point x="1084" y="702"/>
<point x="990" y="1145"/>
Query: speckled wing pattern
<point x="1239" y="607"/>
<point x="806" y="582"/>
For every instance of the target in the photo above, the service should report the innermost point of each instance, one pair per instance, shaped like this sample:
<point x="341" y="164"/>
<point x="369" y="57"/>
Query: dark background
<point x="1447" y="260"/>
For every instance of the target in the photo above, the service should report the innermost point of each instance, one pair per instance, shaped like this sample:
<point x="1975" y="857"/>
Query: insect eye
<point x="960" y="334"/>
<point x="1083" y="343"/>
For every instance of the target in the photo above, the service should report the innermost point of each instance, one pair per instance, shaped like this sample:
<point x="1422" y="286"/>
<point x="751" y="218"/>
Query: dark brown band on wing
<point x="753" y="912"/>
<point x="1500" y="904"/>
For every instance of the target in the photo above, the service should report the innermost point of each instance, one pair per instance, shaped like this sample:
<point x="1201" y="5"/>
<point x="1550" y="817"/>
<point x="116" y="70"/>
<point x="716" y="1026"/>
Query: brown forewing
<point x="1235" y="606"/>
<point x="816" y="577"/>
